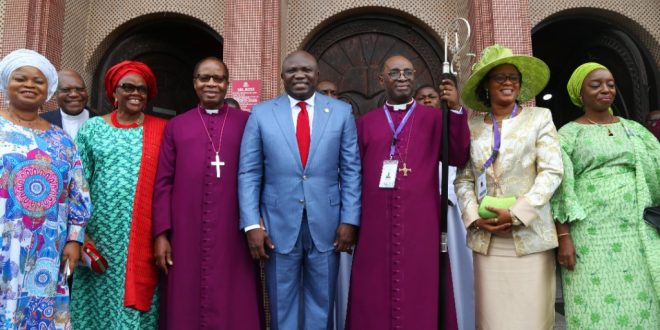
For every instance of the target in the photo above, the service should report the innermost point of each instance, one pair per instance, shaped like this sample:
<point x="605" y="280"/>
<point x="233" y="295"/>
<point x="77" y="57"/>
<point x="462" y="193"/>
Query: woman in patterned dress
<point x="44" y="200"/>
<point x="610" y="256"/>
<point x="120" y="154"/>
<point x="514" y="258"/>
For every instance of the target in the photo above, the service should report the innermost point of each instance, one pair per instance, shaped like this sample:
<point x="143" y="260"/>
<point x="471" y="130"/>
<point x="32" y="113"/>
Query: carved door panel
<point x="351" y="52"/>
<point x="171" y="49"/>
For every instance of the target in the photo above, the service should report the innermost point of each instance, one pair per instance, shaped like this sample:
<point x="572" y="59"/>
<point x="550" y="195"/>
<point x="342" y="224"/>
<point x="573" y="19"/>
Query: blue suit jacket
<point x="272" y="182"/>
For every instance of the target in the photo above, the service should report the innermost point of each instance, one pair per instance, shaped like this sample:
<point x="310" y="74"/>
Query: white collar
<point x="402" y="106"/>
<point x="293" y="102"/>
<point x="68" y="116"/>
<point x="212" y="111"/>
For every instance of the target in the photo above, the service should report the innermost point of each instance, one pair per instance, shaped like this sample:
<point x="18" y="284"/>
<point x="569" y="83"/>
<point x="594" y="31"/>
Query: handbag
<point x="93" y="259"/>
<point x="498" y="202"/>
<point x="652" y="216"/>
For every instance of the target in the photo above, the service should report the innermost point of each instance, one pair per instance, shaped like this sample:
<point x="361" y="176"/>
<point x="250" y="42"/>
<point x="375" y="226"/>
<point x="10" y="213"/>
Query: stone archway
<point x="566" y="41"/>
<point x="171" y="47"/>
<point x="350" y="53"/>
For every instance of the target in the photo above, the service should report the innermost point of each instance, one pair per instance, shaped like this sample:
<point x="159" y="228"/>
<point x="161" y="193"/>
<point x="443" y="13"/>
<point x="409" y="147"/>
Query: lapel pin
<point x="326" y="110"/>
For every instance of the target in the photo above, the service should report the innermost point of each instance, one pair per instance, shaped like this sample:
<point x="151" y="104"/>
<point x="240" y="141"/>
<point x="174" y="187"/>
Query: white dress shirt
<point x="295" y="110"/>
<point x="71" y="124"/>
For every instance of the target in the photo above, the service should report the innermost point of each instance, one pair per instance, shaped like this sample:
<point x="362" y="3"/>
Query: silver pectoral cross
<point x="217" y="163"/>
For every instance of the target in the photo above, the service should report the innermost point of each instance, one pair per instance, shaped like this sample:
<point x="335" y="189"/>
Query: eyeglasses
<point x="395" y="74"/>
<point x="130" y="88"/>
<point x="207" y="78"/>
<point x="501" y="78"/>
<point x="70" y="90"/>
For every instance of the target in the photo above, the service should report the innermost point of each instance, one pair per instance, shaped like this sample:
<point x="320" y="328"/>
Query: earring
<point x="487" y="95"/>
<point x="115" y="104"/>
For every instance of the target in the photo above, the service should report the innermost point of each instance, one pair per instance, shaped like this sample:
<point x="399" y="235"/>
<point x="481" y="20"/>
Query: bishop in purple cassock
<point x="395" y="276"/>
<point x="210" y="280"/>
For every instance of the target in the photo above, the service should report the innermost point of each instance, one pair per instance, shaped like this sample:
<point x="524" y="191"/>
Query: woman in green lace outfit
<point x="119" y="152"/>
<point x="610" y="256"/>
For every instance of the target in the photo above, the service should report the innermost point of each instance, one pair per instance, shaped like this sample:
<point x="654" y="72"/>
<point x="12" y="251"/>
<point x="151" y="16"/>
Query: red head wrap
<point x="121" y="69"/>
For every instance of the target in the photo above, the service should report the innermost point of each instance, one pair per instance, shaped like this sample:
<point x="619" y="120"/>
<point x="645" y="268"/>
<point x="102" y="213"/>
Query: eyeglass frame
<point x="395" y="74"/>
<point x="207" y="78"/>
<point x="79" y="90"/>
<point x="130" y="88"/>
<point x="501" y="78"/>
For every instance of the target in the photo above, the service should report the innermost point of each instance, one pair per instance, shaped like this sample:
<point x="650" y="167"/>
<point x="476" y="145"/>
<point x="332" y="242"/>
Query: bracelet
<point x="514" y="219"/>
<point x="475" y="226"/>
<point x="564" y="234"/>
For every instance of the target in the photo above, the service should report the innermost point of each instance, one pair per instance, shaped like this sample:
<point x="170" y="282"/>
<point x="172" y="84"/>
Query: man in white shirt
<point x="71" y="95"/>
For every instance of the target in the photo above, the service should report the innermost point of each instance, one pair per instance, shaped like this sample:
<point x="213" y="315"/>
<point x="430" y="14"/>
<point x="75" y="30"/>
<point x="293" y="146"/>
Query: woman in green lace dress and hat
<point x="610" y="258"/>
<point x="515" y="166"/>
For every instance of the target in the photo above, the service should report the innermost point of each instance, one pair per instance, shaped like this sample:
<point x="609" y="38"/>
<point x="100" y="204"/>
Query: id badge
<point x="482" y="189"/>
<point x="388" y="174"/>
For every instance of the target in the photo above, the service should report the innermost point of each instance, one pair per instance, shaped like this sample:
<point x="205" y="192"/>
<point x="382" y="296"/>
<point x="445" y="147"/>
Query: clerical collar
<point x="398" y="107"/>
<point x="73" y="117"/>
<point x="212" y="111"/>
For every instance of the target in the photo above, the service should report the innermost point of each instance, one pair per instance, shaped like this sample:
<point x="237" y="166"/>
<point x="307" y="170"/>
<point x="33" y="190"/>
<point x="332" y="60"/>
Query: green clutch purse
<point x="499" y="202"/>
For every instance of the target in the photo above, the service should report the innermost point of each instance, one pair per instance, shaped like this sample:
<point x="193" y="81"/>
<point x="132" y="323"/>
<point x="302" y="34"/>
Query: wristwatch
<point x="514" y="219"/>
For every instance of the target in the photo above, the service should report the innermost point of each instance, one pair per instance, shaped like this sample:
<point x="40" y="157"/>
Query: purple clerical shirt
<point x="212" y="284"/>
<point x="394" y="281"/>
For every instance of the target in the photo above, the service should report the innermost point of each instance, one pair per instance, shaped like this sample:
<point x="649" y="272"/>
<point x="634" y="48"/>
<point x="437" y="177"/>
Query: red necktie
<point x="302" y="133"/>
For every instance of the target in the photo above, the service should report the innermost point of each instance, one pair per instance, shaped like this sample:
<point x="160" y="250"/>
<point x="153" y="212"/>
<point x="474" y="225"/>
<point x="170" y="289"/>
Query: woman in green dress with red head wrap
<point x="120" y="154"/>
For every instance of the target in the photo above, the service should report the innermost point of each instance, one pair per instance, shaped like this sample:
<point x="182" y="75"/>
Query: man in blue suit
<point x="299" y="171"/>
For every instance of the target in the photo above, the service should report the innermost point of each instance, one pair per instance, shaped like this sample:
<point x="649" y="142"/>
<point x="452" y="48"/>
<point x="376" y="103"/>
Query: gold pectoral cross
<point x="405" y="170"/>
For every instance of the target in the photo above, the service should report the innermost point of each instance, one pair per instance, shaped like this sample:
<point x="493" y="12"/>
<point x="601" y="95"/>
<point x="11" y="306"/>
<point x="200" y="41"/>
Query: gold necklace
<point x="609" y="131"/>
<point x="22" y="122"/>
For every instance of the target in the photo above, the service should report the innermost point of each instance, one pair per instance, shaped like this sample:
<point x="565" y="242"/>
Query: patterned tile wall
<point x="2" y="21"/>
<point x="91" y="25"/>
<point x="640" y="17"/>
<point x="36" y="25"/>
<point x="252" y="43"/>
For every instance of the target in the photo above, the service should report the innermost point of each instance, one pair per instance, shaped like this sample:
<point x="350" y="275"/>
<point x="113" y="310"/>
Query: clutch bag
<point x="652" y="216"/>
<point x="93" y="259"/>
<point x="499" y="202"/>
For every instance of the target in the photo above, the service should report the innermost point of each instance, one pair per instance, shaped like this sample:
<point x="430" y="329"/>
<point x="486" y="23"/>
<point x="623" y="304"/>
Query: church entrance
<point x="171" y="47"/>
<point x="350" y="53"/>
<point x="566" y="41"/>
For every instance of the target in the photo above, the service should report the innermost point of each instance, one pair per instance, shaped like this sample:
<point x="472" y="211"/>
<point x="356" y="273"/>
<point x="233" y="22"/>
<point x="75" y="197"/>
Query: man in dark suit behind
<point x="71" y="97"/>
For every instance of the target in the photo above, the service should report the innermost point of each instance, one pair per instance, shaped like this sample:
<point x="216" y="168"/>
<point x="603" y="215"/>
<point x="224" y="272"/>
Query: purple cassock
<point x="394" y="281"/>
<point x="213" y="283"/>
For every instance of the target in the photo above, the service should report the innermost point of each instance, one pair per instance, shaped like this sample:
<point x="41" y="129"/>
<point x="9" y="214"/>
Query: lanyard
<point x="398" y="130"/>
<point x="497" y="138"/>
